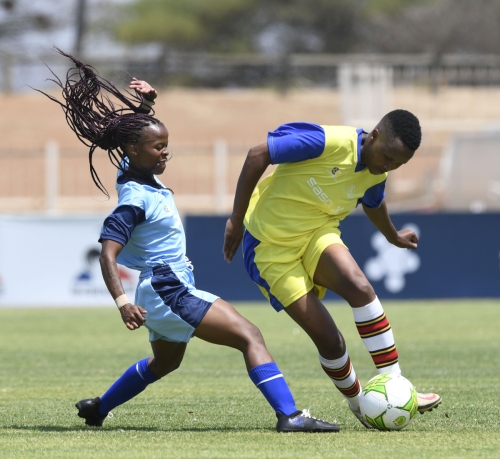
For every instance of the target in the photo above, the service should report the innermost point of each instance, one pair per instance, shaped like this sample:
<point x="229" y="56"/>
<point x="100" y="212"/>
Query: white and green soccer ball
<point x="388" y="402"/>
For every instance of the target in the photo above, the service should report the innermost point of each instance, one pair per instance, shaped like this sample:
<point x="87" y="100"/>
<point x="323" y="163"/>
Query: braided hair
<point x="403" y="125"/>
<point x="94" y="118"/>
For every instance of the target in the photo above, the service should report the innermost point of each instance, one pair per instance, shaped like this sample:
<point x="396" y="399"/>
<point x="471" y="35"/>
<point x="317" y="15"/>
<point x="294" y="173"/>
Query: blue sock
<point x="272" y="384"/>
<point x="127" y="386"/>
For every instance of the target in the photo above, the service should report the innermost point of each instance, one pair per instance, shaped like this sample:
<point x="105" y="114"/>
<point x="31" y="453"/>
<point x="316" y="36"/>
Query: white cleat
<point x="427" y="402"/>
<point x="363" y="421"/>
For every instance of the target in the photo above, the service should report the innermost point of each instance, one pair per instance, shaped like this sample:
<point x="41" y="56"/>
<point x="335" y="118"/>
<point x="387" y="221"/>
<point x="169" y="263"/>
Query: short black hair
<point x="403" y="125"/>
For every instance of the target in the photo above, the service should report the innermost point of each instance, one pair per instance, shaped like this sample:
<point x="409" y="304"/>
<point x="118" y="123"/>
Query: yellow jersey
<point x="319" y="180"/>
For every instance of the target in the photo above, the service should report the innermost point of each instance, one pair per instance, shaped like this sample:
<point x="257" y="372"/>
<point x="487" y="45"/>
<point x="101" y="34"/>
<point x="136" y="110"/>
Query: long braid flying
<point x="94" y="118"/>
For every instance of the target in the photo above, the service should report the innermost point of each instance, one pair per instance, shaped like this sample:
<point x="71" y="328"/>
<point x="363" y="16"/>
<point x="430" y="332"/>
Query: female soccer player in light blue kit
<point x="144" y="232"/>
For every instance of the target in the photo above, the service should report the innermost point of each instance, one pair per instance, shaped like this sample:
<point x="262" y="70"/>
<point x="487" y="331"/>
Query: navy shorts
<point x="174" y="306"/>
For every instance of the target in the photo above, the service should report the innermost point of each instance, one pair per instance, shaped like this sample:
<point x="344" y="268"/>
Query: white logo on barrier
<point x="391" y="263"/>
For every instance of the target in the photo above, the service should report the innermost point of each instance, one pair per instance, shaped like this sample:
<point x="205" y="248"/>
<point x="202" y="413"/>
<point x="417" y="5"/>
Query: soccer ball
<point x="388" y="402"/>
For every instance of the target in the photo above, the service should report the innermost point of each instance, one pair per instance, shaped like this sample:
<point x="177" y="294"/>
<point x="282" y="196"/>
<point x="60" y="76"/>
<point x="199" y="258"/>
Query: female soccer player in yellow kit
<point x="291" y="240"/>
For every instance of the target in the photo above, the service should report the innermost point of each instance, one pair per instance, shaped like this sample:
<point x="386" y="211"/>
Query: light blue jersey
<point x="146" y="222"/>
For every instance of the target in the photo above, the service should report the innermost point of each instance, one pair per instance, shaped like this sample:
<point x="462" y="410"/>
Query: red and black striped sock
<point x="376" y="333"/>
<point x="342" y="374"/>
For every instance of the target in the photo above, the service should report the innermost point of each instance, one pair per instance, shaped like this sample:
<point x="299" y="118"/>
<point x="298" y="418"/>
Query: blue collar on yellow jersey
<point x="359" y="167"/>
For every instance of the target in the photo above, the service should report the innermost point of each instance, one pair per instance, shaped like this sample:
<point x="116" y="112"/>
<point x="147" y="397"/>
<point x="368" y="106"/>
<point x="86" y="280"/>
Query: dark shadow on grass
<point x="136" y="429"/>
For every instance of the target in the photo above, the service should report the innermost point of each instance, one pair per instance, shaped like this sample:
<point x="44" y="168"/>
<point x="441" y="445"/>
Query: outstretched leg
<point x="223" y="325"/>
<point x="167" y="357"/>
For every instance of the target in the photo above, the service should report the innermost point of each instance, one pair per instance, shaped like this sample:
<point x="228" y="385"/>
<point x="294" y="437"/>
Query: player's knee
<point x="363" y="287"/>
<point x="357" y="288"/>
<point x="161" y="369"/>
<point x="251" y="336"/>
<point x="331" y="345"/>
<point x="337" y="342"/>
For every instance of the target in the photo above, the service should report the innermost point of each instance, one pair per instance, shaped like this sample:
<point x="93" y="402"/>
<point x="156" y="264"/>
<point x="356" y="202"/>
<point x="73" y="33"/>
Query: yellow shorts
<point x="285" y="274"/>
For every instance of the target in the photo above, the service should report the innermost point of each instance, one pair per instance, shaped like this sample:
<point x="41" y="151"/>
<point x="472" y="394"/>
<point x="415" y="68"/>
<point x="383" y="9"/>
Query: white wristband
<point x="121" y="301"/>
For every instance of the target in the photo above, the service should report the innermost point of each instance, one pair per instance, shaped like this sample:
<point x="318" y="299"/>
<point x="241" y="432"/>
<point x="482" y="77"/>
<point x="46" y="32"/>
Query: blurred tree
<point x="340" y="26"/>
<point x="16" y="20"/>
<point x="391" y="6"/>
<point x="438" y="26"/>
<point x="187" y="24"/>
<point x="81" y="13"/>
<point x="308" y="25"/>
<point x="7" y="4"/>
<point x="323" y="25"/>
<point x="242" y="25"/>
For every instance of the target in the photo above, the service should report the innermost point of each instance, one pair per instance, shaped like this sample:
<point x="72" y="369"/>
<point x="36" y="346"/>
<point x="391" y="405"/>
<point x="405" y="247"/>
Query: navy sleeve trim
<point x="359" y="166"/>
<point x="296" y="142"/>
<point x="120" y="224"/>
<point x="374" y="195"/>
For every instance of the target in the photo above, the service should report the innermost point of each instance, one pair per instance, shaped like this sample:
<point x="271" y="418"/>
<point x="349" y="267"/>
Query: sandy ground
<point x="192" y="116"/>
<point x="196" y="119"/>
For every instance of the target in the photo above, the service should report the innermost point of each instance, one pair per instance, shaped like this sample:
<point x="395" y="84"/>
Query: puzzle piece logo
<point x="391" y="263"/>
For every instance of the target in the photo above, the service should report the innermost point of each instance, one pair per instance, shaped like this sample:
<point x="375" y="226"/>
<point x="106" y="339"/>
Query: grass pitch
<point x="51" y="358"/>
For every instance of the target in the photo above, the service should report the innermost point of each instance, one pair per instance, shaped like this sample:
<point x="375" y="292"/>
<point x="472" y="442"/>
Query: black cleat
<point x="88" y="409"/>
<point x="302" y="421"/>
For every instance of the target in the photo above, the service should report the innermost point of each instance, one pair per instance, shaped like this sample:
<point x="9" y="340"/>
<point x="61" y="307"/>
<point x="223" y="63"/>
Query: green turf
<point x="51" y="358"/>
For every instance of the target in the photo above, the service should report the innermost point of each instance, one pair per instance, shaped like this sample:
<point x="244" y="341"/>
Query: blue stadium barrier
<point x="458" y="257"/>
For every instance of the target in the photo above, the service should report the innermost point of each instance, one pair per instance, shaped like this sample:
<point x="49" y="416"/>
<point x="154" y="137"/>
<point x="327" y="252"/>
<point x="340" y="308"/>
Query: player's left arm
<point x="379" y="216"/>
<point x="146" y="91"/>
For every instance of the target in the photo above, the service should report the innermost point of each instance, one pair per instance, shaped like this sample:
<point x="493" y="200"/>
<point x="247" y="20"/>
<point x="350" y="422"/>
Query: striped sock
<point x="376" y="333"/>
<point x="342" y="374"/>
<point x="269" y="380"/>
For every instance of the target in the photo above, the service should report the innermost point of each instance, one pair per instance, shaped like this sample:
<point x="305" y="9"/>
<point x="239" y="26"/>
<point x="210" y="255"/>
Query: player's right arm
<point x="256" y="162"/>
<point x="292" y="142"/>
<point x="132" y="315"/>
